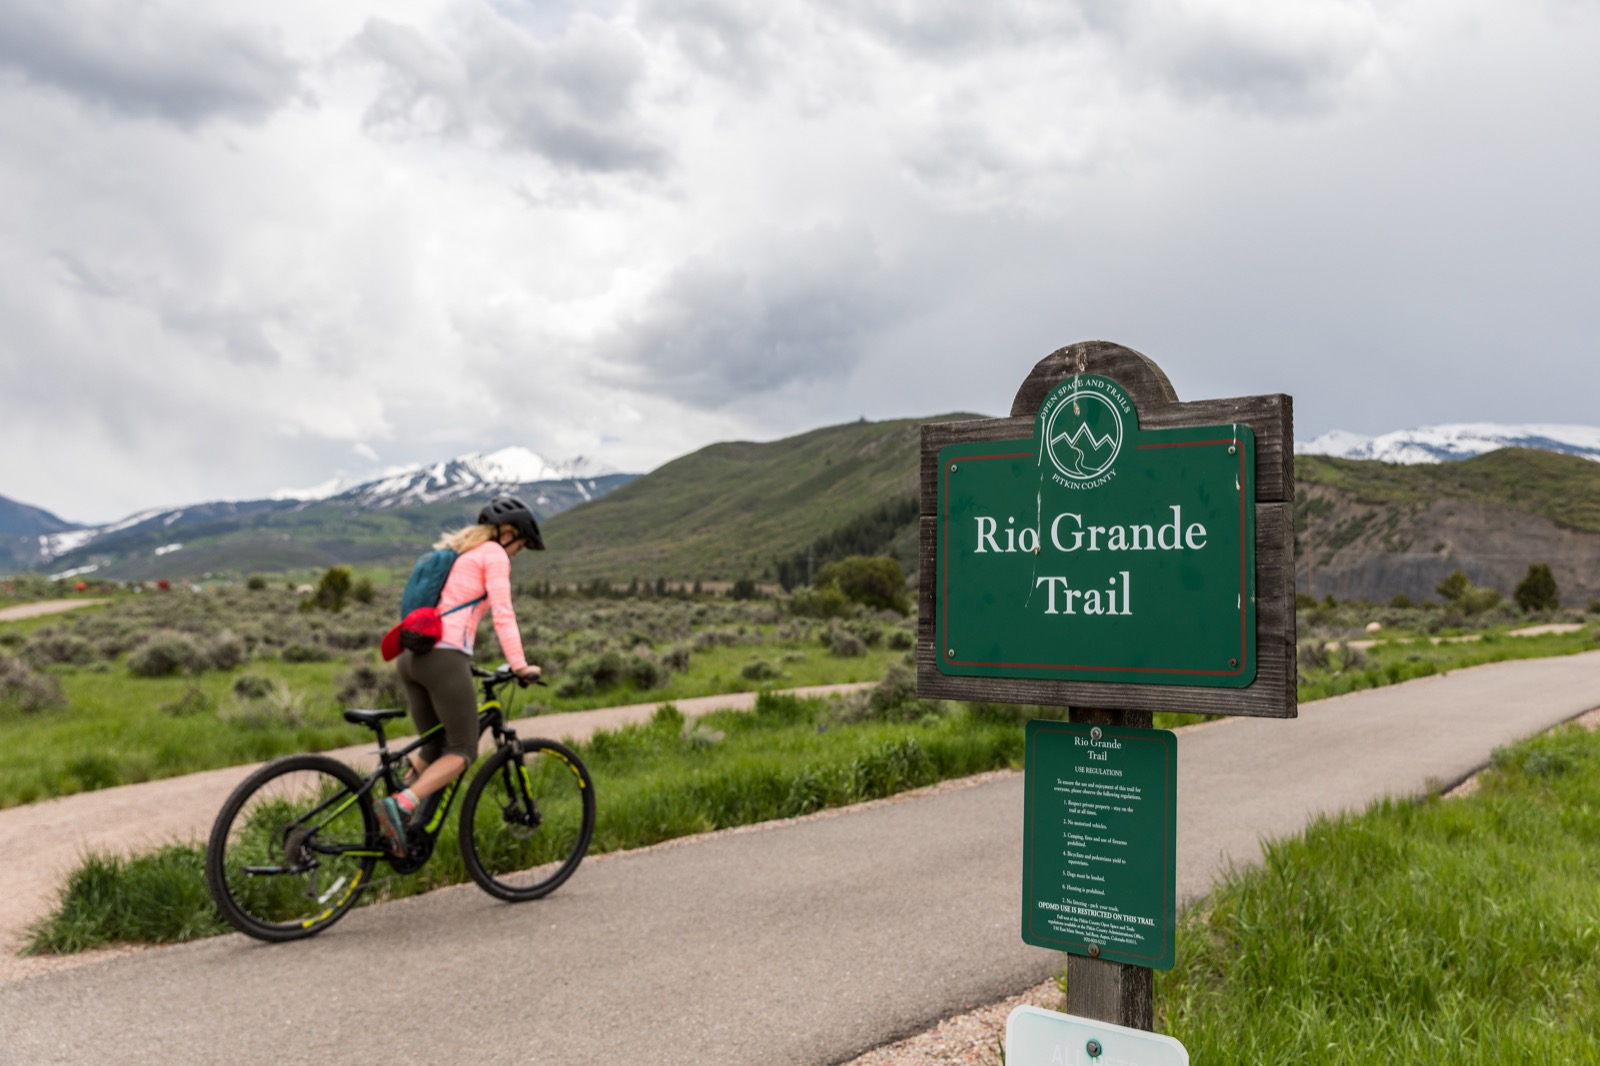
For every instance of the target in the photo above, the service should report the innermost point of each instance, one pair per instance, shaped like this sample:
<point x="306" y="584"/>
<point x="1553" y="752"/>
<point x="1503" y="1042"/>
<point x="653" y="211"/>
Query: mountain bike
<point x="296" y="843"/>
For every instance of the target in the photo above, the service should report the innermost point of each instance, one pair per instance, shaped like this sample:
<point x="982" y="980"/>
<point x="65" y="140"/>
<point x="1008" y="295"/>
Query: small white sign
<point x="1036" y="1037"/>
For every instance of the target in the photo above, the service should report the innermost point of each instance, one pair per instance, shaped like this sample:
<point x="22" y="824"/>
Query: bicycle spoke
<point x="530" y="821"/>
<point x="291" y="851"/>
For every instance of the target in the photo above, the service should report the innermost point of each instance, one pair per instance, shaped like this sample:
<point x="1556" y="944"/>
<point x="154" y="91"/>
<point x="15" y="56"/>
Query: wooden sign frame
<point x="1272" y="694"/>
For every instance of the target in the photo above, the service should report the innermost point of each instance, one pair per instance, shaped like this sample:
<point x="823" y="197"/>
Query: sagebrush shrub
<point x="251" y="686"/>
<point x="50" y="645"/>
<point x="163" y="653"/>
<point x="28" y="690"/>
<point x="281" y="708"/>
<point x="759" y="670"/>
<point x="193" y="701"/>
<point x="573" y="687"/>
<point x="370" y="686"/>
<point x="846" y="645"/>
<point x="645" y="671"/>
<point x="225" y="652"/>
<point x="305" y="653"/>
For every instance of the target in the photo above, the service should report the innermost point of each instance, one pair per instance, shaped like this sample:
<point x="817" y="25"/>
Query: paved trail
<point x="42" y="842"/>
<point x="803" y="942"/>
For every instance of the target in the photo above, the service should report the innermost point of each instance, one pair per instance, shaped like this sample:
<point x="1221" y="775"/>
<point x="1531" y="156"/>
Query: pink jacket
<point x="486" y="568"/>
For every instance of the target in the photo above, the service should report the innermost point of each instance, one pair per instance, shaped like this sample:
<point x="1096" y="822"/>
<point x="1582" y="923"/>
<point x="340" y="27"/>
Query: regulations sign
<point x="1099" y="845"/>
<point x="1097" y="551"/>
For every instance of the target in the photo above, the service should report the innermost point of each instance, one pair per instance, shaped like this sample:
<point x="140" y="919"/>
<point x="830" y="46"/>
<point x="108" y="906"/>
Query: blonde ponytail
<point x="468" y="537"/>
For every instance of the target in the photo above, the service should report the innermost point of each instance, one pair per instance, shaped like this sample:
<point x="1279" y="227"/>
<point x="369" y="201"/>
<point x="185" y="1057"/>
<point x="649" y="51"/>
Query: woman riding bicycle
<point x="438" y="683"/>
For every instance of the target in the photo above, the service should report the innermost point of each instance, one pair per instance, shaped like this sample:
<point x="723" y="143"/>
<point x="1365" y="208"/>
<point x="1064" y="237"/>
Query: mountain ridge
<point x="1454" y="441"/>
<point x="312" y="527"/>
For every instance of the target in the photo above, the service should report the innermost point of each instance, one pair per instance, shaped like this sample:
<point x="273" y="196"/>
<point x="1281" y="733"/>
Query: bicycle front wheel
<point x="292" y="849"/>
<point x="527" y="820"/>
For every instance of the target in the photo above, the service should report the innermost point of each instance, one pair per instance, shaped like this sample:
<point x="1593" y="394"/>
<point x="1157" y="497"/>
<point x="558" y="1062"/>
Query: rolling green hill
<point x="735" y="510"/>
<point x="732" y="510"/>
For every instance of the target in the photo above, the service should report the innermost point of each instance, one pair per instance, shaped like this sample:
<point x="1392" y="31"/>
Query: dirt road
<point x="34" y="610"/>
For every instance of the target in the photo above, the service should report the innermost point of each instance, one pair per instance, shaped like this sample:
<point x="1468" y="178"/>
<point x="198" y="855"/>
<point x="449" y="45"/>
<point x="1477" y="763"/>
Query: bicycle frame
<point x="491" y="717"/>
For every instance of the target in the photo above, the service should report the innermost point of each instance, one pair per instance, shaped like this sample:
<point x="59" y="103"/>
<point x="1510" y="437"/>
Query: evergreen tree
<point x="1537" y="591"/>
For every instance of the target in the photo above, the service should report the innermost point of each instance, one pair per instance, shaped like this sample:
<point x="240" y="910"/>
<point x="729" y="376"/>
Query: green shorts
<point x="439" y="688"/>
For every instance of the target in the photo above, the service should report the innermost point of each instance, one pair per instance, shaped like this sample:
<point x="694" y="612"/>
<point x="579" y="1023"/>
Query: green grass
<point x="655" y="781"/>
<point x="157" y="897"/>
<point x="1453" y="932"/>
<point x="115" y="730"/>
<point x="119" y="729"/>
<point x="1393" y="661"/>
<point x="719" y="669"/>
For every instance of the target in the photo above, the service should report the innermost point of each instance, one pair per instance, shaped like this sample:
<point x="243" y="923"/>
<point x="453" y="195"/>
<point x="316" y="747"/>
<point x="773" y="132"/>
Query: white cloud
<point x="239" y="247"/>
<point x="492" y="82"/>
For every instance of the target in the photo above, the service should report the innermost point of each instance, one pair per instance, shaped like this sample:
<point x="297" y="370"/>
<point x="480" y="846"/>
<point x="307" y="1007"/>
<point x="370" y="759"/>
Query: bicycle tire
<point x="265" y="884"/>
<point x="515" y="852"/>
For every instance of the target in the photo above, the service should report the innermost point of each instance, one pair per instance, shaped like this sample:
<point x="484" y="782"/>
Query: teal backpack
<point x="427" y="579"/>
<point x="420" y="620"/>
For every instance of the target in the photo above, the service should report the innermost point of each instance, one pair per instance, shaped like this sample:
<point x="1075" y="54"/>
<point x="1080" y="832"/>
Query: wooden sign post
<point x="1114" y="551"/>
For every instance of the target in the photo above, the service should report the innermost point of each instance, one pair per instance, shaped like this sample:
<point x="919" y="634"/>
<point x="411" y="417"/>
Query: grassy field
<point x="252" y="678"/>
<point x="1447" y="932"/>
<point x="664" y="780"/>
<point x="1343" y="669"/>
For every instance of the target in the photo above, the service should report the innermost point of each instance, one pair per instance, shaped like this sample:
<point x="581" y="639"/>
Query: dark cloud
<point x="1270" y="77"/>
<point x="148" y="59"/>
<point x="803" y="310"/>
<point x="571" y="100"/>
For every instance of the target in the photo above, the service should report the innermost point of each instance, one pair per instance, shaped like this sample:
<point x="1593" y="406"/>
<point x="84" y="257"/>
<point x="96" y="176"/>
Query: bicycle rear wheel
<point x="292" y="849"/>
<point x="527" y="820"/>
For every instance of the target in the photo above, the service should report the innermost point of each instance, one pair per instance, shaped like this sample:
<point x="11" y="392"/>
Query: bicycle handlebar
<point x="504" y="675"/>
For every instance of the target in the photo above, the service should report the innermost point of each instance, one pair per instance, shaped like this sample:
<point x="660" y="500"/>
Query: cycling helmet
<point x="510" y="511"/>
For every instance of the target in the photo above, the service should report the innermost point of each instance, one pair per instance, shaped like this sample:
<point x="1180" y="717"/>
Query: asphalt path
<point x="43" y="842"/>
<point x="801" y="942"/>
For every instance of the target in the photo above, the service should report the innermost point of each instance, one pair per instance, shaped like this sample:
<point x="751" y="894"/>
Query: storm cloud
<point x="245" y="248"/>
<point x="801" y="307"/>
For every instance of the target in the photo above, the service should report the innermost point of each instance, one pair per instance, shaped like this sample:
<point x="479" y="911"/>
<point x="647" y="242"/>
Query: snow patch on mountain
<point x="465" y="475"/>
<point x="472" y="476"/>
<point x="1463" y="440"/>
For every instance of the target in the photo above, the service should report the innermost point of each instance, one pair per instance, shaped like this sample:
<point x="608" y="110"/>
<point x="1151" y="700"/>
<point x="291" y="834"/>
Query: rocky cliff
<point x="1369" y="530"/>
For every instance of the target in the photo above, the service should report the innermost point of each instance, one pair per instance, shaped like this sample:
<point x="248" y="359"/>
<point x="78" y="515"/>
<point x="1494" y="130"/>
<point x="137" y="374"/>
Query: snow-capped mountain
<point x="549" y="487"/>
<point x="1438" y="444"/>
<point x="473" y="474"/>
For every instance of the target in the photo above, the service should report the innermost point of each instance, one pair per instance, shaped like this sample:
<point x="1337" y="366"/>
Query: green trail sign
<point x="1099" y="844"/>
<point x="1095" y="550"/>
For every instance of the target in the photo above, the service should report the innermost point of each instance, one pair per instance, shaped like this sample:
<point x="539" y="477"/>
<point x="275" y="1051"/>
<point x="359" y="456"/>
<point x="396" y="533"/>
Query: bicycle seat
<point x="370" y="719"/>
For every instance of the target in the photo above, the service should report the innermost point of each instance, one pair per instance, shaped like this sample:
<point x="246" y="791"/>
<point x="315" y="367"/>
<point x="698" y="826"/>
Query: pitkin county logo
<point x="1080" y="438"/>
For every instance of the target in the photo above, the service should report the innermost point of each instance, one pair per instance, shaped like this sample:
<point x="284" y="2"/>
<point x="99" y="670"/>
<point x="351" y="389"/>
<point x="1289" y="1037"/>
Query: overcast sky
<point x="245" y="247"/>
